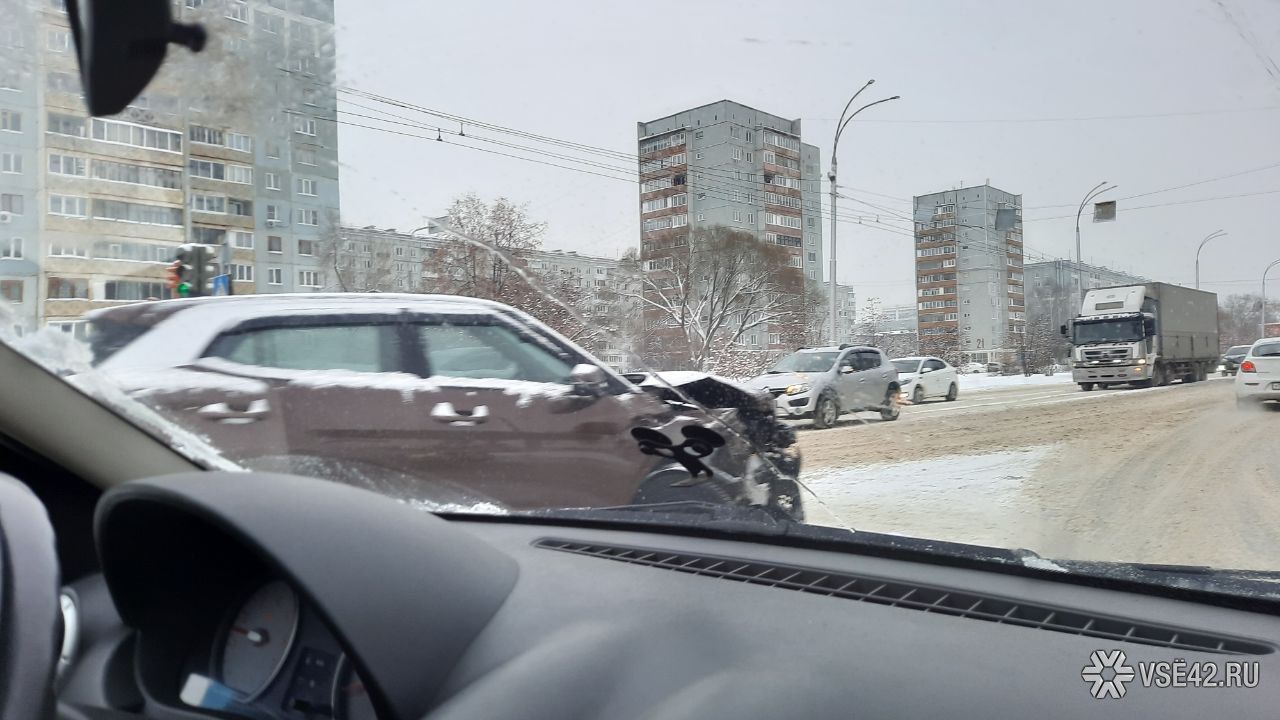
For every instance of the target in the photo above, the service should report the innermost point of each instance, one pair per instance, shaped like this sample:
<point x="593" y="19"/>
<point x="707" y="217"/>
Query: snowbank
<point x="977" y="382"/>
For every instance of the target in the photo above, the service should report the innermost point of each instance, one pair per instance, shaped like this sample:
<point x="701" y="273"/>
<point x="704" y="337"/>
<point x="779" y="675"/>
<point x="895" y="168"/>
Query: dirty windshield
<point x="601" y="259"/>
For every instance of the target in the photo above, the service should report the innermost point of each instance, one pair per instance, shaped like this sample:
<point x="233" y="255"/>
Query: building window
<point x="775" y="338"/>
<point x="11" y="121"/>
<point x="308" y="247"/>
<point x="751" y="157"/>
<point x="11" y="79"/>
<point x="306" y="186"/>
<point x="272" y="150"/>
<point x="69" y="206"/>
<point x="58" y="40"/>
<point x="236" y="206"/>
<point x="242" y="174"/>
<point x="275" y="244"/>
<point x="11" y="163"/>
<point x="11" y="291"/>
<point x="208" y="235"/>
<point x="308" y="217"/>
<point x="135" y="174"/>
<point x="304" y="126"/>
<point x="68" y="288"/>
<point x="11" y="248"/>
<point x="309" y="278"/>
<point x="698" y="155"/>
<point x="240" y="142"/>
<point x="238" y="10"/>
<point x="305" y="156"/>
<point x="813" y="257"/>
<point x="243" y="273"/>
<point x="207" y="169"/>
<point x="273" y="24"/>
<point x="737" y="216"/>
<point x="208" y="203"/>
<point x="242" y="239"/>
<point x="794" y="261"/>
<point x="736" y="153"/>
<point x="273" y="214"/>
<point x="66" y="165"/>
<point x="123" y="133"/>
<point x="275" y="276"/>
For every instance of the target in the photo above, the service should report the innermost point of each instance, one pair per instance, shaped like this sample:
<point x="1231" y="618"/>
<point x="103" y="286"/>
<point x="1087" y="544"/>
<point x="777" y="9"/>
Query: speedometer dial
<point x="257" y="641"/>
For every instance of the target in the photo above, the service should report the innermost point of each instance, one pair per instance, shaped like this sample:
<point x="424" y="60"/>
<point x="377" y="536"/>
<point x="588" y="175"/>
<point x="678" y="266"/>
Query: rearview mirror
<point x="587" y="379"/>
<point x="1062" y="329"/>
<point x="120" y="46"/>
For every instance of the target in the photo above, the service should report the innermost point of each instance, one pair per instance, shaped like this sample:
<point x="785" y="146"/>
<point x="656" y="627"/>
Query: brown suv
<point x="456" y="401"/>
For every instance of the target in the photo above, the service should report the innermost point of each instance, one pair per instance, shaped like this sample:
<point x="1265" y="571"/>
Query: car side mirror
<point x="588" y="380"/>
<point x="926" y="370"/>
<point x="120" y="47"/>
<point x="846" y="370"/>
<point x="1062" y="329"/>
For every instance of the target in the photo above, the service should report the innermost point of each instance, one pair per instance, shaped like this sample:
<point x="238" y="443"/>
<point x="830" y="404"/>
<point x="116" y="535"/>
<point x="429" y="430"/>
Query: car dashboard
<point x="247" y="595"/>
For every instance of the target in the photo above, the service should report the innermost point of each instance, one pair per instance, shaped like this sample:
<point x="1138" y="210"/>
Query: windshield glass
<point x="1266" y="350"/>
<point x="1107" y="331"/>
<point x="1237" y="350"/>
<point x="499" y="258"/>
<point x="805" y="362"/>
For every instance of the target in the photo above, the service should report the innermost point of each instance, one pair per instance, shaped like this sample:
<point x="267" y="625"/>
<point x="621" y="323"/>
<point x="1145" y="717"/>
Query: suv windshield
<point x="502" y="258"/>
<point x="805" y="362"/>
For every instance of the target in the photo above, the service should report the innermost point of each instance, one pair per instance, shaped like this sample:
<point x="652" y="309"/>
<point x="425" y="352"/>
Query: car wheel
<point x="953" y="392"/>
<point x="891" y="410"/>
<point x="917" y="395"/>
<point x="1086" y="387"/>
<point x="826" y="413"/>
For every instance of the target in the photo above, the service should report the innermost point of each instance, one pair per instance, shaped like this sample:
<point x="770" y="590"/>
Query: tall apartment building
<point x="969" y="279"/>
<point x="1054" y="288"/>
<point x="233" y="146"/>
<point x="731" y="165"/>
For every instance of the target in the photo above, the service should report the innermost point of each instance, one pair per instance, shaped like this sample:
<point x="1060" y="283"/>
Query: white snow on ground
<point x="978" y="382"/>
<point x="964" y="498"/>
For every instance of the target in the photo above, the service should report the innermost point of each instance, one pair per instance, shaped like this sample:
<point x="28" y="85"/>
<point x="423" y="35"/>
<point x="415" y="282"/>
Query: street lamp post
<point x="1210" y="236"/>
<point x="1262" y="326"/>
<point x="1089" y="196"/>
<point x="840" y="126"/>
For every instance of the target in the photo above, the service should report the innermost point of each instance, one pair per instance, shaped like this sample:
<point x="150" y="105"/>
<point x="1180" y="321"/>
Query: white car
<point x="1258" y="378"/>
<point x="922" y="378"/>
<point x="972" y="368"/>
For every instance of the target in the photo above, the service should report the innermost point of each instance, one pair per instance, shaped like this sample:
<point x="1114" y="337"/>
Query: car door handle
<point x="444" y="412"/>
<point x="224" y="413"/>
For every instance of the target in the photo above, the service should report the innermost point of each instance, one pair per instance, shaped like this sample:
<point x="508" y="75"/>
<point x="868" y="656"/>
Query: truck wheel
<point x="826" y="412"/>
<point x="1159" y="377"/>
<point x="1086" y="387"/>
<point x="1191" y="377"/>
<point x="1202" y="373"/>
<point x="953" y="392"/>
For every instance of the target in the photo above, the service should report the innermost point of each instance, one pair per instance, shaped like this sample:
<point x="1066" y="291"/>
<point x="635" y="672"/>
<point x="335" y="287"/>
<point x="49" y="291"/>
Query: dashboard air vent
<point x="938" y="600"/>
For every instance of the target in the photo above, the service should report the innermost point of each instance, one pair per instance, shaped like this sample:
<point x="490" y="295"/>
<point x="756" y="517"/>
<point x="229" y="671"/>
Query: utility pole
<point x="1210" y="236"/>
<point x="831" y="176"/>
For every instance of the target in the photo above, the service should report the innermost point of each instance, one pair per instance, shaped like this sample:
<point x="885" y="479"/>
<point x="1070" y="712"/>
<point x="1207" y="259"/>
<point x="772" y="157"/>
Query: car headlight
<point x="1142" y="361"/>
<point x="797" y="389"/>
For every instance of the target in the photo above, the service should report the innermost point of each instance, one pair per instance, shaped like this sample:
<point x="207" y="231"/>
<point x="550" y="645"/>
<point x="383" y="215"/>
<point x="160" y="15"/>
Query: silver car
<point x="824" y="382"/>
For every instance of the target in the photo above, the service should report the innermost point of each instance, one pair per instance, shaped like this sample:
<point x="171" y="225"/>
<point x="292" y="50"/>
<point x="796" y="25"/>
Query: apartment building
<point x="969" y="277"/>
<point x="235" y="146"/>
<point x="728" y="164"/>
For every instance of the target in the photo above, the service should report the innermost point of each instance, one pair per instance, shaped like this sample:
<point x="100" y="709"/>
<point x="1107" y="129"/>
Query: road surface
<point x="1162" y="475"/>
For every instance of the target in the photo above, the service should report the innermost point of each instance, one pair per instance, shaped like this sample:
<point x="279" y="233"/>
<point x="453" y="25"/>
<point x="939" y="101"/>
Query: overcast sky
<point x="1043" y="99"/>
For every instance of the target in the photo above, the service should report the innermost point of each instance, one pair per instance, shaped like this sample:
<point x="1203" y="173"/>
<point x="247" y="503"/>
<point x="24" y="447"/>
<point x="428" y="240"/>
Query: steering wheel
<point x="30" y="613"/>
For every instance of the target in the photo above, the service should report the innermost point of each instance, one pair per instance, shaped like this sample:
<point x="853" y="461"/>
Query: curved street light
<point x="1089" y="196"/>
<point x="841" y="124"/>
<point x="1212" y="235"/>
<point x="1262" y="326"/>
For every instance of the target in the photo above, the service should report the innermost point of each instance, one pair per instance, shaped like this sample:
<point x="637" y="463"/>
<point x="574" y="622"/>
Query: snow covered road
<point x="1174" y="474"/>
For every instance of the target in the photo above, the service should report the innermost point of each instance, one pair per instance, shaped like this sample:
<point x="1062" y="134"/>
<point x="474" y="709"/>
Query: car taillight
<point x="1248" y="366"/>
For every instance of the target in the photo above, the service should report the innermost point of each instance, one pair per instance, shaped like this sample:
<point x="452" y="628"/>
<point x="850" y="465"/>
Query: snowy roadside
<point x="961" y="498"/>
<point x="979" y="382"/>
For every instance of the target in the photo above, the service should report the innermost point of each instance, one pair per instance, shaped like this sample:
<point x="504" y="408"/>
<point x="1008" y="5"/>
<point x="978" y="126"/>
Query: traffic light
<point x="191" y="273"/>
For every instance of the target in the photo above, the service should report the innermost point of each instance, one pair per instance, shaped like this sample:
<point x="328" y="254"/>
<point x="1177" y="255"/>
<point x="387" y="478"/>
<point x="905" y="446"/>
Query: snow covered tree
<point x="702" y="299"/>
<point x="474" y="269"/>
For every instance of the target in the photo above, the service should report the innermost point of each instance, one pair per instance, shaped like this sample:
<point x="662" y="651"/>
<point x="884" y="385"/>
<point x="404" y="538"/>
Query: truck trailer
<point x="1143" y="335"/>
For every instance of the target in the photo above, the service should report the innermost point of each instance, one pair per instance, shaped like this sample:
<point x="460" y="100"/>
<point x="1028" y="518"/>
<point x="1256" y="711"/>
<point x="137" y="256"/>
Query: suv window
<point x="488" y="351"/>
<point x="934" y="364"/>
<point x="364" y="348"/>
